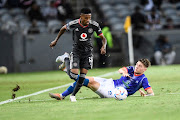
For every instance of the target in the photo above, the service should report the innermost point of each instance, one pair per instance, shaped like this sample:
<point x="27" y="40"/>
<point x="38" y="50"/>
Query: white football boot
<point x="62" y="57"/>
<point x="62" y="67"/>
<point x="73" y="98"/>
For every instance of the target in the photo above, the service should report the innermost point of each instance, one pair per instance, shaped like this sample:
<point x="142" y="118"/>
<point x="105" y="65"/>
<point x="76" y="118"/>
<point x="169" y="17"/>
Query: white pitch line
<point x="36" y="93"/>
<point x="46" y="90"/>
<point x="34" y="100"/>
<point x="173" y="93"/>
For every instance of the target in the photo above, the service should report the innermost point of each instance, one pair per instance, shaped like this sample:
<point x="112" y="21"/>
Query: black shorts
<point x="78" y="61"/>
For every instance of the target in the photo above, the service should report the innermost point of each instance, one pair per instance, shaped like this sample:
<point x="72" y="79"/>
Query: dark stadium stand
<point x="15" y="22"/>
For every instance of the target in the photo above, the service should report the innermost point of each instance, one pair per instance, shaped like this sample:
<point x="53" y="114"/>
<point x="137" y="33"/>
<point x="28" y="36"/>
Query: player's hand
<point x="124" y="72"/>
<point x="126" y="75"/>
<point x="142" y="93"/>
<point x="53" y="43"/>
<point x="103" y="51"/>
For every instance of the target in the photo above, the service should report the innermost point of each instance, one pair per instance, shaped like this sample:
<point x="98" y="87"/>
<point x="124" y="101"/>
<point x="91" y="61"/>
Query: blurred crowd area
<point x="43" y="16"/>
<point x="154" y="24"/>
<point x="145" y="14"/>
<point x="34" y="16"/>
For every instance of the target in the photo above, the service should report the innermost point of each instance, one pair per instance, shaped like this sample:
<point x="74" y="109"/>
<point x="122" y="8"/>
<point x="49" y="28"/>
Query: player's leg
<point x="65" y="66"/>
<point x="88" y="82"/>
<point x="78" y="84"/>
<point x="73" y="66"/>
<point x="65" y="59"/>
<point x="74" y="69"/>
<point x="86" y="62"/>
<point x="80" y="81"/>
<point x="68" y="91"/>
<point x="62" y="57"/>
<point x="170" y="57"/>
<point x="103" y="87"/>
<point x="158" y="56"/>
<point x="92" y="84"/>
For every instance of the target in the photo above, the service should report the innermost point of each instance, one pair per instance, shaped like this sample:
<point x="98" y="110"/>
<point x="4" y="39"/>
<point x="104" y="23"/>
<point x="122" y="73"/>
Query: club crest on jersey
<point x="83" y="37"/>
<point x="90" y="30"/>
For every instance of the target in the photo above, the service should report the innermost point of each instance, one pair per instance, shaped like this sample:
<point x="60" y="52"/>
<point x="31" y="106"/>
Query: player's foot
<point x="62" y="57"/>
<point x="62" y="67"/>
<point x="56" y="96"/>
<point x="73" y="98"/>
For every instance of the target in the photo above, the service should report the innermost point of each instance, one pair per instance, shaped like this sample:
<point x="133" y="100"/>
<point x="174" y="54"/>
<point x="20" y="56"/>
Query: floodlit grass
<point x="165" y="105"/>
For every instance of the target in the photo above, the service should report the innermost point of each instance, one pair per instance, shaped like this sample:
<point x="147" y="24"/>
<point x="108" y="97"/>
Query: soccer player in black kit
<point x="81" y="56"/>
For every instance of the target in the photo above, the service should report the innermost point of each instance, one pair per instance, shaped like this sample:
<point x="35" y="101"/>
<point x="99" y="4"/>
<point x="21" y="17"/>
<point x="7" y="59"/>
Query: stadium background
<point x="23" y="52"/>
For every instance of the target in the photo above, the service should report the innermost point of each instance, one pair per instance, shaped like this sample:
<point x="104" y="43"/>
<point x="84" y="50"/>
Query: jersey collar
<point x="81" y="24"/>
<point x="138" y="74"/>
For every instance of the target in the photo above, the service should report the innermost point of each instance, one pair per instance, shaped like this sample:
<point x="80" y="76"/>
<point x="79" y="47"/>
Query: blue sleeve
<point x="130" y="69"/>
<point x="145" y="84"/>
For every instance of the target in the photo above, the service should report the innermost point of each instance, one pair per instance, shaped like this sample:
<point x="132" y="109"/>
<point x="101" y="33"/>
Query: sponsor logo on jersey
<point x="83" y="37"/>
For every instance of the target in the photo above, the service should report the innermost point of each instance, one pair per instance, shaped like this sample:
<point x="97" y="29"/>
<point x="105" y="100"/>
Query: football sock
<point x="67" y="64"/>
<point x="71" y="74"/>
<point x="79" y="83"/>
<point x="70" y="89"/>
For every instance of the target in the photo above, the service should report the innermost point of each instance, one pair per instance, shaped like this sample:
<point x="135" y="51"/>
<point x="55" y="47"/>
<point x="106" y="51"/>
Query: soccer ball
<point x="120" y="93"/>
<point x="3" y="70"/>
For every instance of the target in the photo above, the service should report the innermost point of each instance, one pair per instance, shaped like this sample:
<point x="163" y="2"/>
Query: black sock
<point x="67" y="64"/>
<point x="79" y="83"/>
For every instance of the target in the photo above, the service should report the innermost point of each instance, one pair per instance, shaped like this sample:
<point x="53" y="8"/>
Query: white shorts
<point x="106" y="87"/>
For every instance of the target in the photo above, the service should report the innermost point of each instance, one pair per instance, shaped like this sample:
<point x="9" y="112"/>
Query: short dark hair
<point x="85" y="11"/>
<point x="137" y="8"/>
<point x="145" y="62"/>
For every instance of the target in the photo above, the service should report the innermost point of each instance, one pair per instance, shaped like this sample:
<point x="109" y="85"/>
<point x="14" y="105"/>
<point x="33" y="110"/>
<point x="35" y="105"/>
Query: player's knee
<point x="73" y="76"/>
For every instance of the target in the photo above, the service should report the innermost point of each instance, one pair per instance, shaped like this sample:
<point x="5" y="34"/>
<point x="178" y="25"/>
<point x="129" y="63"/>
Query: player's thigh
<point x="86" y="61"/>
<point x="93" y="85"/>
<point x="74" y="61"/>
<point x="106" y="87"/>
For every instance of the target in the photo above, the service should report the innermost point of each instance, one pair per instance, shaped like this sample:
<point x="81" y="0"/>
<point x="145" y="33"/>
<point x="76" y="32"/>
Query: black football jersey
<point x="82" y="35"/>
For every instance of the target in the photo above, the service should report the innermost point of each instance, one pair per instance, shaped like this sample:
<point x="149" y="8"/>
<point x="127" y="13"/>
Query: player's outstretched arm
<point x="149" y="92"/>
<point x="124" y="72"/>
<point x="104" y="43"/>
<point x="62" y="30"/>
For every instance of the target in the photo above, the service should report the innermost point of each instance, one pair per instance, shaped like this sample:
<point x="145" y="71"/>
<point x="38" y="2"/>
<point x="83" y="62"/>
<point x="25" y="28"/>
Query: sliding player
<point x="132" y="80"/>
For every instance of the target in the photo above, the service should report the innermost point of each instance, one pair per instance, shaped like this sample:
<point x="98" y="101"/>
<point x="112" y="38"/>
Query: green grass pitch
<point x="165" y="105"/>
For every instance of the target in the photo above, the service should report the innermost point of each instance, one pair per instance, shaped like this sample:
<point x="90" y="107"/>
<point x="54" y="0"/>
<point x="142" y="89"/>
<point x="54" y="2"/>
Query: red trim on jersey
<point x="81" y="24"/>
<point x="137" y="74"/>
<point x="100" y="34"/>
<point x="126" y="69"/>
<point x="147" y="88"/>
